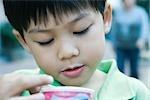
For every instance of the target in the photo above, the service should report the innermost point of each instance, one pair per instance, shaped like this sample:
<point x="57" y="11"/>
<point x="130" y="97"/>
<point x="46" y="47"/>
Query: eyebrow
<point x="37" y="30"/>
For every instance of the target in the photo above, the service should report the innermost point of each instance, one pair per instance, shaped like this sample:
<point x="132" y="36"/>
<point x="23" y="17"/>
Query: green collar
<point x="114" y="79"/>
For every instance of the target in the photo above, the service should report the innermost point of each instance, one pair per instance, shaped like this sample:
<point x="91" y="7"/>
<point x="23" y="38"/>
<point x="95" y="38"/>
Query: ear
<point x="107" y="18"/>
<point x="21" y="40"/>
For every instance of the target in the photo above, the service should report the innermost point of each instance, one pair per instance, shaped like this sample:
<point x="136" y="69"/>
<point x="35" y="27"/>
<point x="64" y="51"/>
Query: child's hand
<point x="12" y="85"/>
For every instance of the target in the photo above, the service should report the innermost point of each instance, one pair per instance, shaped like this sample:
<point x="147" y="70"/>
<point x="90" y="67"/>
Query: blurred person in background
<point x="129" y="34"/>
<point x="9" y="45"/>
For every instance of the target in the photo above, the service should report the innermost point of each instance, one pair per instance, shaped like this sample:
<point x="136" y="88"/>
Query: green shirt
<point x="117" y="86"/>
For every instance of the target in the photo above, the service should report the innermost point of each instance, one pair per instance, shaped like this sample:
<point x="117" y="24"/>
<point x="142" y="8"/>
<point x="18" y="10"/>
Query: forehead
<point x="64" y="19"/>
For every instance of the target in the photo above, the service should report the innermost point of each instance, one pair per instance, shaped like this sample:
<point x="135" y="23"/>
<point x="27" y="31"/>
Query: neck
<point x="129" y="8"/>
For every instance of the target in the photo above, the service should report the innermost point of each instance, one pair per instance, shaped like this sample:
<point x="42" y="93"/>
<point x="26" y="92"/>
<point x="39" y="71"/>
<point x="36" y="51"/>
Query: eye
<point x="45" y="43"/>
<point x="83" y="31"/>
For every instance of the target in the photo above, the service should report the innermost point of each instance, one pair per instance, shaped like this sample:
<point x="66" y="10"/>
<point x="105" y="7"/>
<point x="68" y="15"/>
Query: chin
<point x="74" y="83"/>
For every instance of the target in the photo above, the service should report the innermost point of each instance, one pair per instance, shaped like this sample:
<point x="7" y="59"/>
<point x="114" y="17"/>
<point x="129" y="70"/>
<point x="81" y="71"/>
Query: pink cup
<point x="68" y="93"/>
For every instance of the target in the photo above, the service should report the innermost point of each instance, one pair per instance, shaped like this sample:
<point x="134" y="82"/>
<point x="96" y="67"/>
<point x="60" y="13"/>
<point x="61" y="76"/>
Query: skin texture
<point x="76" y="39"/>
<point x="13" y="87"/>
<point x="68" y="48"/>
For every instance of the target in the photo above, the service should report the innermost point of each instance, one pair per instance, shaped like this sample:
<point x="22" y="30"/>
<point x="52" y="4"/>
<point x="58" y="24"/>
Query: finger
<point x="29" y="81"/>
<point x="38" y="96"/>
<point x="36" y="80"/>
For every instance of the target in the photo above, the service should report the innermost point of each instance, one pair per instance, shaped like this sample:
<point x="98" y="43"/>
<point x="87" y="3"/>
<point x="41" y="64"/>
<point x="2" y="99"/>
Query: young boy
<point x="67" y="40"/>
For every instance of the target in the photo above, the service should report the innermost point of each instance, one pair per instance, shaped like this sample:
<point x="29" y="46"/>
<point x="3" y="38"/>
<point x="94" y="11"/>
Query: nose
<point x="67" y="51"/>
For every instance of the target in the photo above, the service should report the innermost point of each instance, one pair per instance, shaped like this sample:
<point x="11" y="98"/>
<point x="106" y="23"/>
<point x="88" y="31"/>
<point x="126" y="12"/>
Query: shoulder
<point x="119" y="83"/>
<point x="118" y="12"/>
<point x="142" y="92"/>
<point x="136" y="87"/>
<point x="140" y="10"/>
<point x="133" y="86"/>
<point x="135" y="83"/>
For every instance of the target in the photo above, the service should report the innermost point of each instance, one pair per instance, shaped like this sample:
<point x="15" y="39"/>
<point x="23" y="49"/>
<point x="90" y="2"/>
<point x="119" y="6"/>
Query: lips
<point x="73" y="72"/>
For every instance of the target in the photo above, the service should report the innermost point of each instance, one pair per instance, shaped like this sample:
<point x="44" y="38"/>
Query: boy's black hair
<point x="20" y="12"/>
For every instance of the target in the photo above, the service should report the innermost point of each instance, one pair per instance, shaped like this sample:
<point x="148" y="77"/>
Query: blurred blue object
<point x="10" y="47"/>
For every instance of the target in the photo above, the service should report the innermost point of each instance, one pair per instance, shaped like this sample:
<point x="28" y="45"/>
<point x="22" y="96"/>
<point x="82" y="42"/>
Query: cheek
<point x="93" y="52"/>
<point x="48" y="63"/>
<point x="93" y="47"/>
<point x="45" y="58"/>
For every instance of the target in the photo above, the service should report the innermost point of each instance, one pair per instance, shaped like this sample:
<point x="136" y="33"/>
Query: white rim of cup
<point x="67" y="88"/>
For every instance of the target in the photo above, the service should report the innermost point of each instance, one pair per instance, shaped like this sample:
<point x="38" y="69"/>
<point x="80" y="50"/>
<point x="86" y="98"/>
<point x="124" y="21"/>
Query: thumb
<point x="31" y="81"/>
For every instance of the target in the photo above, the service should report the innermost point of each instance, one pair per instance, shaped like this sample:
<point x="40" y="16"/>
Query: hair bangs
<point x="20" y="13"/>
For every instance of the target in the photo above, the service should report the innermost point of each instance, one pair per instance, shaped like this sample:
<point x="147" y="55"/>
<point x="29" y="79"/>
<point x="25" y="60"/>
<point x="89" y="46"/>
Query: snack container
<point x="68" y="93"/>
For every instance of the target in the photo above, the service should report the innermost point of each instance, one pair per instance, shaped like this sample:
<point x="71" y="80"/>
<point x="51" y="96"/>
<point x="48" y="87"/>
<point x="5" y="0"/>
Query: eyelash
<point x="46" y="43"/>
<point x="76" y="33"/>
<point x="83" y="31"/>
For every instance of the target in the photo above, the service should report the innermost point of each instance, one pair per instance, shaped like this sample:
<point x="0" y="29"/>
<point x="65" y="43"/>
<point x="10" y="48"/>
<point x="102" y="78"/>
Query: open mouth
<point x="73" y="72"/>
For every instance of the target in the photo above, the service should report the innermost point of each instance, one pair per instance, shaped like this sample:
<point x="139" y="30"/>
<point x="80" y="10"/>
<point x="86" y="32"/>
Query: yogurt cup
<point x="68" y="93"/>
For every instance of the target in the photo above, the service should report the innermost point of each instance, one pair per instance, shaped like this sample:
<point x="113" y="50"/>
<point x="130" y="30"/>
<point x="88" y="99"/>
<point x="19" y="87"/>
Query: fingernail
<point x="50" y="78"/>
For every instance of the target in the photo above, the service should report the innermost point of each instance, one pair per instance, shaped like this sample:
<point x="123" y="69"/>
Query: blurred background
<point x="13" y="56"/>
